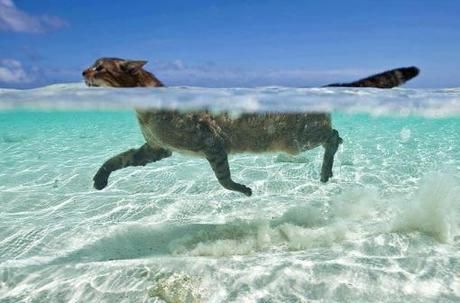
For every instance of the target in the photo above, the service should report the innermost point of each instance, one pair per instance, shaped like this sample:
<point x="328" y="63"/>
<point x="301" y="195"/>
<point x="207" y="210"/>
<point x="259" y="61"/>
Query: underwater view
<point x="238" y="151"/>
<point x="385" y="226"/>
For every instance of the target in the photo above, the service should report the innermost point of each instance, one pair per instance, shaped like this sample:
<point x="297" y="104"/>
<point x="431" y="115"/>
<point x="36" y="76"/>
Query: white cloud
<point x="16" y="20"/>
<point x="12" y="71"/>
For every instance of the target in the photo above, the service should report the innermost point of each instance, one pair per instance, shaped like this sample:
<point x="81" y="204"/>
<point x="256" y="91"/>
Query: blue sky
<point x="231" y="43"/>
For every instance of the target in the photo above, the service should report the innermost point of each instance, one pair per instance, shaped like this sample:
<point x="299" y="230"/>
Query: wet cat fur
<point x="213" y="137"/>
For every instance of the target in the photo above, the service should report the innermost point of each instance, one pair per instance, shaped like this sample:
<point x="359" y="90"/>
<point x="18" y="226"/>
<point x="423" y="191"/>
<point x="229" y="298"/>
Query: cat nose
<point x="84" y="73"/>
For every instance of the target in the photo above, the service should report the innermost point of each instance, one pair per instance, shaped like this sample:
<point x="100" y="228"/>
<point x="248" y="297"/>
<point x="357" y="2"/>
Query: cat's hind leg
<point x="217" y="157"/>
<point x="330" y="148"/>
<point x="133" y="157"/>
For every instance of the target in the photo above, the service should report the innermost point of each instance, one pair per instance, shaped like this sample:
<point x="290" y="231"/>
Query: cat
<point x="214" y="136"/>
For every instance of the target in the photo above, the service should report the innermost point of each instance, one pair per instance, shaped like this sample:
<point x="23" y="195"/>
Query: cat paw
<point x="100" y="181"/>
<point x="325" y="177"/>
<point x="246" y="190"/>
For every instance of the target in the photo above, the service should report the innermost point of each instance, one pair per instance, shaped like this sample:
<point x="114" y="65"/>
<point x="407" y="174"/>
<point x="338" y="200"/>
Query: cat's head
<point x="116" y="72"/>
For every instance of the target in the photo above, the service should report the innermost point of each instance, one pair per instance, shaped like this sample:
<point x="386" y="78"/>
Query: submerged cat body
<point x="257" y="133"/>
<point x="215" y="136"/>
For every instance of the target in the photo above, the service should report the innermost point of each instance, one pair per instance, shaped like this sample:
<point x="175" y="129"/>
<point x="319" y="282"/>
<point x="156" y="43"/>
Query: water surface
<point x="384" y="228"/>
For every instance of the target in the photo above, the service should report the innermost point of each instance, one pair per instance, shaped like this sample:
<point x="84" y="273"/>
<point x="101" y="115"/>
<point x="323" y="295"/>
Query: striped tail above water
<point x="387" y="79"/>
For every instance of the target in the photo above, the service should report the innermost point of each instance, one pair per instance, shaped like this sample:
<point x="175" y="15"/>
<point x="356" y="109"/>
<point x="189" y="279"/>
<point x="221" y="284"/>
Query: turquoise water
<point x="385" y="228"/>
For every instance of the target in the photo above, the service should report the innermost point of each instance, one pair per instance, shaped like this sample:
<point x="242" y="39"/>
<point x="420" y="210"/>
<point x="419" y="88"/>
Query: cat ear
<point x="132" y="65"/>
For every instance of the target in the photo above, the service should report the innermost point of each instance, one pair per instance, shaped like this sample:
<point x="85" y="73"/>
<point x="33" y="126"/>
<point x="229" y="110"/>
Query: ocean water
<point x="385" y="228"/>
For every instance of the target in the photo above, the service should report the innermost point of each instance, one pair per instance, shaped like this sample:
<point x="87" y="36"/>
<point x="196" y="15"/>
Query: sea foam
<point x="433" y="209"/>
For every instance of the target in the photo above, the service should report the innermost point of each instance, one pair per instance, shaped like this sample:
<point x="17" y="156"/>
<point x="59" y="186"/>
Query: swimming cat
<point x="214" y="136"/>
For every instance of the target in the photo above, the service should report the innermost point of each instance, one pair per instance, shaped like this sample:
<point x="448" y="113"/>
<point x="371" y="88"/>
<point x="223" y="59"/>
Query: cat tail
<point x="387" y="79"/>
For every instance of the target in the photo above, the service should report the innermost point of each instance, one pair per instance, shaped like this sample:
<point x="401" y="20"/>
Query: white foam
<point x="433" y="210"/>
<point x="424" y="102"/>
<point x="355" y="214"/>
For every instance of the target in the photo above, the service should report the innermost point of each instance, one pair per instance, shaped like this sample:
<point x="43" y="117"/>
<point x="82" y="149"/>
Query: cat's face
<point x="113" y="72"/>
